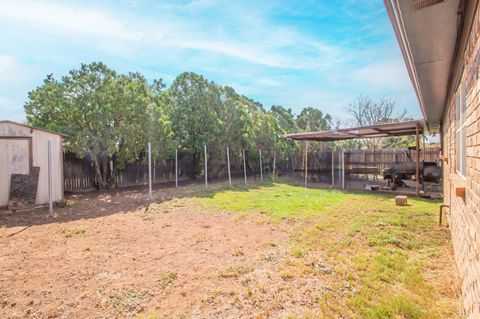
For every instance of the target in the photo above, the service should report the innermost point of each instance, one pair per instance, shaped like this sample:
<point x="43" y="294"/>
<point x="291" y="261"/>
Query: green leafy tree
<point x="312" y="119"/>
<point x="196" y="114"/>
<point x="106" y="115"/>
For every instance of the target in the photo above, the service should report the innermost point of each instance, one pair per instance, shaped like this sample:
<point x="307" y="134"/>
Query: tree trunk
<point x="101" y="179"/>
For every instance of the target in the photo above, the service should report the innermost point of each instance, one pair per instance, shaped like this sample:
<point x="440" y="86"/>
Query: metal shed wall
<point x="39" y="157"/>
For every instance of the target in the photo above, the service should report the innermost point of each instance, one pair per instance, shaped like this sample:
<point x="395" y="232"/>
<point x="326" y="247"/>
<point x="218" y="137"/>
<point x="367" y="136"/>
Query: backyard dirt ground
<point x="124" y="255"/>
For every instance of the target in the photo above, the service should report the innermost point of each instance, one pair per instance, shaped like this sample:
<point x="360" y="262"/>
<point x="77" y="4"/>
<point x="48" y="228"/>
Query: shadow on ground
<point x="119" y="201"/>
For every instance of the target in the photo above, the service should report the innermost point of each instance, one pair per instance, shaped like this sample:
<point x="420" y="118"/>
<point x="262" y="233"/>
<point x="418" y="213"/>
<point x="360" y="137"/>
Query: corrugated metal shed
<point x="23" y="147"/>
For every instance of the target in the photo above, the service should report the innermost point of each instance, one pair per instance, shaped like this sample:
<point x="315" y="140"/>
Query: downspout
<point x="442" y="159"/>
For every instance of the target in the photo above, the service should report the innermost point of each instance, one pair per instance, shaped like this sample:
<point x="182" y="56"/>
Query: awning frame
<point x="372" y="131"/>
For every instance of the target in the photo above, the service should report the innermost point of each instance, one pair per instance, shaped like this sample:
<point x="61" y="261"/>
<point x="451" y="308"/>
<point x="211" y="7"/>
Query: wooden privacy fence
<point x="382" y="158"/>
<point x="359" y="160"/>
<point x="79" y="173"/>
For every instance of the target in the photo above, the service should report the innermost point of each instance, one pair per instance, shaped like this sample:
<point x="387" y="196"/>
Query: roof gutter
<point x="393" y="10"/>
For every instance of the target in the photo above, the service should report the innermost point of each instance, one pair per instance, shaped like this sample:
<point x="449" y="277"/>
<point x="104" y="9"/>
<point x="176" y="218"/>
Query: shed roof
<point x="379" y="130"/>
<point x="32" y="127"/>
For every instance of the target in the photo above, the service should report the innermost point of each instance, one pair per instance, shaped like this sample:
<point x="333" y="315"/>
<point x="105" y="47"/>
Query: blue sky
<point x="292" y="53"/>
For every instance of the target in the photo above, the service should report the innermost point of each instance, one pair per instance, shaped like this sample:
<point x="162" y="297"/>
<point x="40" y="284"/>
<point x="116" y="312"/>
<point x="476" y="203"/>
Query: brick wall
<point x="464" y="217"/>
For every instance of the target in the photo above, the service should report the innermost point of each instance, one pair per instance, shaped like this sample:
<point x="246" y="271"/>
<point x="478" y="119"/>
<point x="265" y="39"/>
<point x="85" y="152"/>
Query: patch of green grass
<point x="130" y="302"/>
<point x="166" y="279"/>
<point x="388" y="255"/>
<point x="278" y="200"/>
<point x="298" y="252"/>
<point x="235" y="271"/>
<point x="75" y="231"/>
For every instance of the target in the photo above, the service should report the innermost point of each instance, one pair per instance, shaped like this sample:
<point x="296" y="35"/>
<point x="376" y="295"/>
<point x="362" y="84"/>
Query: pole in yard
<point x="150" y="169"/>
<point x="333" y="168"/>
<point x="417" y="168"/>
<point x="228" y="167"/>
<point x="261" y="168"/>
<point x="50" y="201"/>
<point x="423" y="147"/>
<point x="274" y="167"/>
<point x="293" y="166"/>
<point x="306" y="163"/>
<point x="343" y="169"/>
<point x="176" y="168"/>
<point x="206" y="167"/>
<point x="244" y="167"/>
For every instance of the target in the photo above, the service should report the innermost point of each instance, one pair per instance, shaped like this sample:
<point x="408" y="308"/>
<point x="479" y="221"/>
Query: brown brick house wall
<point x="464" y="213"/>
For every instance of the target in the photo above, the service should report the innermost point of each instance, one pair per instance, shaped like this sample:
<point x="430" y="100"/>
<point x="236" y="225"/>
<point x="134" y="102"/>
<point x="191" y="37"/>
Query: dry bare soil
<point x="187" y="253"/>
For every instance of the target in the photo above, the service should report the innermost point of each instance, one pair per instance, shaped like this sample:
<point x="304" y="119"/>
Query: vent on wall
<point x="420" y="4"/>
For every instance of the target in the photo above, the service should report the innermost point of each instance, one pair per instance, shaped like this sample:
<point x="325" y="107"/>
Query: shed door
<point x="14" y="159"/>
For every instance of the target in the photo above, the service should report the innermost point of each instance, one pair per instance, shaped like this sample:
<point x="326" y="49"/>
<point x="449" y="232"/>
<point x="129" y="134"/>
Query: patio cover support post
<point x="306" y="163"/>
<point x="49" y="167"/>
<point x="261" y="168"/>
<point x="423" y="148"/>
<point x="228" y="167"/>
<point x="343" y="169"/>
<point x="417" y="166"/>
<point x="176" y="168"/>
<point x="150" y="169"/>
<point x="333" y="168"/>
<point x="206" y="166"/>
<point x="244" y="167"/>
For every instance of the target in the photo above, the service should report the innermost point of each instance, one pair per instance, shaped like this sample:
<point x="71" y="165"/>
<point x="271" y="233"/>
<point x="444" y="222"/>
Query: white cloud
<point x="14" y="73"/>
<point x="64" y="18"/>
<point x="242" y="48"/>
<point x="11" y="110"/>
<point x="259" y="42"/>
<point x="384" y="74"/>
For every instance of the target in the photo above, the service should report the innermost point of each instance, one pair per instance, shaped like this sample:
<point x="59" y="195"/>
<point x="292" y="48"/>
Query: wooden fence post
<point x="293" y="166"/>
<point x="333" y="168"/>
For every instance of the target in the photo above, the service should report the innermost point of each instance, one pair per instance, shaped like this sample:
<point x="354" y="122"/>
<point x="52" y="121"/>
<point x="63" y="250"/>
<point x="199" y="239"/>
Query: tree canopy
<point x="111" y="117"/>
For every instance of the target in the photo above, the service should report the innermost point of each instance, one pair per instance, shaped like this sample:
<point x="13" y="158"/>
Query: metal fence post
<point x="343" y="169"/>
<point x="228" y="167"/>
<point x="176" y="168"/>
<point x="274" y="168"/>
<point x="261" y="167"/>
<point x="206" y="167"/>
<point x="306" y="163"/>
<point x="50" y="200"/>
<point x="150" y="169"/>
<point x="244" y="167"/>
